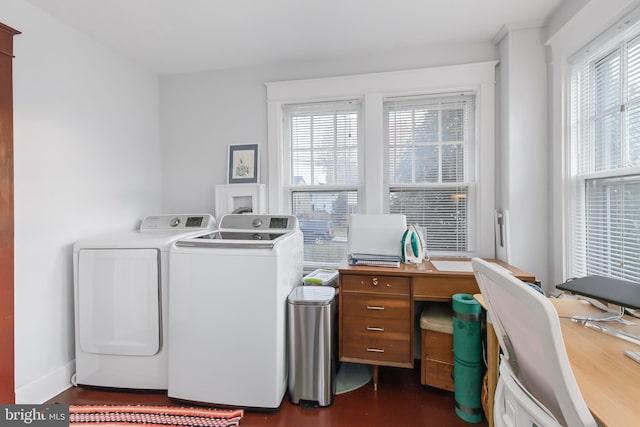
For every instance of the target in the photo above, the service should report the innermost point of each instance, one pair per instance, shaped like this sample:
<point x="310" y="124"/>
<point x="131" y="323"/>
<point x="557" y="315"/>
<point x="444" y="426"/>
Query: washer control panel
<point x="178" y="222"/>
<point x="259" y="222"/>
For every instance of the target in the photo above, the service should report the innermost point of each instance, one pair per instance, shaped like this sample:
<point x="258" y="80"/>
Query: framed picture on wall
<point x="243" y="164"/>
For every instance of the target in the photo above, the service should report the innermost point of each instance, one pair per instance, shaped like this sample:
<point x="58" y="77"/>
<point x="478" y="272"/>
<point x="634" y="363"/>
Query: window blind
<point x="605" y="155"/>
<point x="430" y="167"/>
<point x="323" y="140"/>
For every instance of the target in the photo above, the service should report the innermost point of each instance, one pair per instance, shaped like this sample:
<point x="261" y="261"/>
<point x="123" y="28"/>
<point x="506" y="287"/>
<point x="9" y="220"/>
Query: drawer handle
<point x="374" y="307"/>
<point x="375" y="350"/>
<point x="375" y="328"/>
<point x="374" y="281"/>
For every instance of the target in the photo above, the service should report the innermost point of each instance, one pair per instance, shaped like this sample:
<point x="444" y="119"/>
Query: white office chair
<point x="536" y="384"/>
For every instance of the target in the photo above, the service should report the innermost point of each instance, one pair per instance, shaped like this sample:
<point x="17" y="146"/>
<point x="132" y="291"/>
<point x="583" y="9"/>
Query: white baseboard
<point x="44" y="388"/>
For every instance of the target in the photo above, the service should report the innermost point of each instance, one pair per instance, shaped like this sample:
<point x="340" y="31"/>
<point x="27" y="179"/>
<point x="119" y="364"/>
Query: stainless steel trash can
<point x="311" y="330"/>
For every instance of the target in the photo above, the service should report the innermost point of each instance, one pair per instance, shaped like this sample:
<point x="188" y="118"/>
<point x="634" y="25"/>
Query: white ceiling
<point x="175" y="36"/>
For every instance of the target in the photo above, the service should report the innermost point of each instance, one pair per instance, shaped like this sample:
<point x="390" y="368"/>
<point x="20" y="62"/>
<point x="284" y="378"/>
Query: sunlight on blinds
<point x="613" y="209"/>
<point x="605" y="138"/>
<point x="430" y="157"/>
<point x="324" y="144"/>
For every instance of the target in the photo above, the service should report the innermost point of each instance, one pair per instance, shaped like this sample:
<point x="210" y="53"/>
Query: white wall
<point x="523" y="148"/>
<point x="87" y="160"/>
<point x="533" y="130"/>
<point x="88" y="156"/>
<point x="202" y="113"/>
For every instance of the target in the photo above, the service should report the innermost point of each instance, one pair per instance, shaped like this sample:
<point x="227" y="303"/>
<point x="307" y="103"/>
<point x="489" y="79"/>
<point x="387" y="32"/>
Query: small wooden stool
<point x="436" y="323"/>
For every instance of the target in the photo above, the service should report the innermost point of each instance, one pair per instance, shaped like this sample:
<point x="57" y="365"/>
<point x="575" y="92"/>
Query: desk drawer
<point x="442" y="288"/>
<point x="379" y="349"/>
<point x="376" y="328"/>
<point x="367" y="305"/>
<point x="388" y="285"/>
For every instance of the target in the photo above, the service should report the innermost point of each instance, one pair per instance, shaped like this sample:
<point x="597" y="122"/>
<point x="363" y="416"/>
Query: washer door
<point x="119" y="301"/>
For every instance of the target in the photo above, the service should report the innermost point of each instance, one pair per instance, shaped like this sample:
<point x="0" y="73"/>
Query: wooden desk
<point x="608" y="380"/>
<point x="376" y="324"/>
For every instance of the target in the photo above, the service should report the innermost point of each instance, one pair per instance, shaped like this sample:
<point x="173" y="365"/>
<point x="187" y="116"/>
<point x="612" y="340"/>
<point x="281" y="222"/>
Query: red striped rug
<point x="166" y="416"/>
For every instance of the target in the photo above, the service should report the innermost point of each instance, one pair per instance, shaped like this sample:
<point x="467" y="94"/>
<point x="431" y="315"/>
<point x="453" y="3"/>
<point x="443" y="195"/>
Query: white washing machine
<point x="227" y="318"/>
<point x="121" y="289"/>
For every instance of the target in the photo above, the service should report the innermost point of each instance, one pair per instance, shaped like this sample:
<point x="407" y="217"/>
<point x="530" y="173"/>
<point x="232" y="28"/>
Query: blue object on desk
<point x="535" y="287"/>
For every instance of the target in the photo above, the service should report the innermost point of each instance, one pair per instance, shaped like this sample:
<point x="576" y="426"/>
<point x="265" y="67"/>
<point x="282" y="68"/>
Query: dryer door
<point x="119" y="301"/>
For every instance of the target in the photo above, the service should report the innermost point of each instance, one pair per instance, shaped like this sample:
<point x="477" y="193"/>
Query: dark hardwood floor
<point x="401" y="401"/>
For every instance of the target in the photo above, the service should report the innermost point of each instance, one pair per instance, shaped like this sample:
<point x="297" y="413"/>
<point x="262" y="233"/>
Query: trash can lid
<point x="312" y="295"/>
<point x="322" y="277"/>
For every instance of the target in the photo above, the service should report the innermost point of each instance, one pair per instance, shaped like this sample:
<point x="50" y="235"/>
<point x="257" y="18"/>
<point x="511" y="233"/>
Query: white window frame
<point x="286" y="167"/>
<point x="576" y="179"/>
<point x="372" y="90"/>
<point x="469" y="182"/>
<point x="589" y="27"/>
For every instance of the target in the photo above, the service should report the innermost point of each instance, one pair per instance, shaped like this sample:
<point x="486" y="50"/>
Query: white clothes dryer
<point x="227" y="318"/>
<point x="121" y="291"/>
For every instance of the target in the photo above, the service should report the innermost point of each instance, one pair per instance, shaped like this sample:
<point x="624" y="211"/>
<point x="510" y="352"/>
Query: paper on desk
<point x="461" y="266"/>
<point x="464" y="266"/>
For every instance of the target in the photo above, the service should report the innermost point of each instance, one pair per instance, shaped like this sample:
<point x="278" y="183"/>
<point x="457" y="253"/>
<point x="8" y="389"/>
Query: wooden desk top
<point x="428" y="269"/>
<point x="609" y="381"/>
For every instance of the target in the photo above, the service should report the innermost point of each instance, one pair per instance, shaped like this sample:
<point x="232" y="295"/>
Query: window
<point x="420" y="142"/>
<point x="323" y="145"/>
<point x="605" y="153"/>
<point x="430" y="166"/>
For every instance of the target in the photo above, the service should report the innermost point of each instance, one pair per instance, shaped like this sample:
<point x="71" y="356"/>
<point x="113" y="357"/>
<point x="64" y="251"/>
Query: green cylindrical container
<point x="467" y="363"/>
<point x="467" y="339"/>
<point x="467" y="380"/>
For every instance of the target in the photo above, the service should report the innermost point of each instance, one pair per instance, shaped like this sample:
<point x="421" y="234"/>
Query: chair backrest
<point x="528" y="329"/>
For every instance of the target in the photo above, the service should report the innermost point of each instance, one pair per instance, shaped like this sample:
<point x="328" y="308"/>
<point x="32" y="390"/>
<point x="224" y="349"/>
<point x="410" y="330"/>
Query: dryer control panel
<point x="178" y="222"/>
